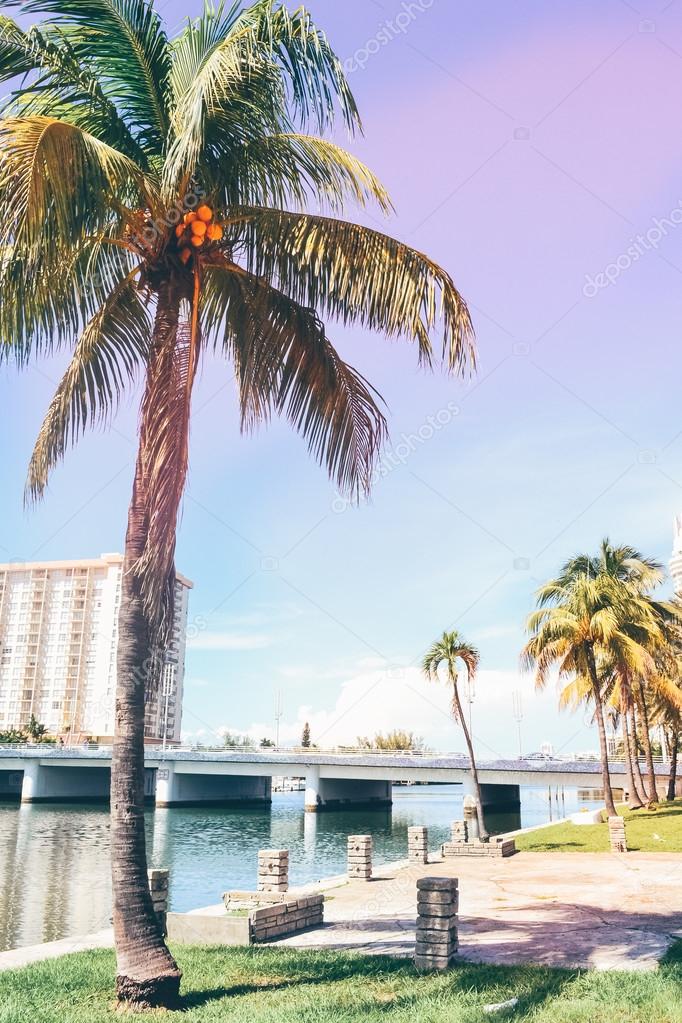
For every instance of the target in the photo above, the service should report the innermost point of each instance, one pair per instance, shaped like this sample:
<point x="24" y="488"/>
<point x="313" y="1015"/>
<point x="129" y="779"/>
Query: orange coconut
<point x="189" y="217"/>
<point x="196" y="240"/>
<point x="204" y="213"/>
<point x="214" y="232"/>
<point x="179" y="230"/>
<point x="198" y="227"/>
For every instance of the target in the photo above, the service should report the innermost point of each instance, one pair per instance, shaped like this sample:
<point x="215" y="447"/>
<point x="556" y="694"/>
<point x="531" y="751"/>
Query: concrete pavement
<point x="589" y="910"/>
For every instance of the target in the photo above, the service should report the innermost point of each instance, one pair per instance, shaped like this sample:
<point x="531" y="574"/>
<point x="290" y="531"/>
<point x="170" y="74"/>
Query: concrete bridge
<point x="334" y="780"/>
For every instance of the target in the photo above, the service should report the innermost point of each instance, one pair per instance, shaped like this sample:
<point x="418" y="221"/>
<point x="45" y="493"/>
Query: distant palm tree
<point x="153" y="197"/>
<point x="584" y="622"/>
<point x="450" y="652"/>
<point x="632" y="665"/>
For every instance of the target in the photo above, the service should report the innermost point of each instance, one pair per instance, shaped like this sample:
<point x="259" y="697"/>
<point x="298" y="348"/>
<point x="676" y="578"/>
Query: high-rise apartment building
<point x="676" y="560"/>
<point x="58" y="636"/>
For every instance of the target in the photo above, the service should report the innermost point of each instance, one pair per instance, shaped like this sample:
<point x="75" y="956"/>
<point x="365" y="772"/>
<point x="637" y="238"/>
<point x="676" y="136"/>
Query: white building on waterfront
<point x="676" y="560"/>
<point x="58" y="636"/>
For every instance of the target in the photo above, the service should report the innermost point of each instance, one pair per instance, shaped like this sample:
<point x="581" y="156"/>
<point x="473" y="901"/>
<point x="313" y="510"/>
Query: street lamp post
<point x="278" y="715"/>
<point x="471" y="696"/>
<point x="517" y="710"/>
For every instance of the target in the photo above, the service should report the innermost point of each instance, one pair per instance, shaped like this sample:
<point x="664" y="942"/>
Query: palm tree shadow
<point x="327" y="968"/>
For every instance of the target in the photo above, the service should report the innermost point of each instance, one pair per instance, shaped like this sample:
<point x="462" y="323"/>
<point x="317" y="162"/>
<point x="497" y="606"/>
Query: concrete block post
<point x="273" y="870"/>
<point x="470" y="816"/>
<point x="158" y="887"/>
<point x="418" y="845"/>
<point x="459" y="832"/>
<point x="360" y="857"/>
<point x="617" y="838"/>
<point x="437" y="909"/>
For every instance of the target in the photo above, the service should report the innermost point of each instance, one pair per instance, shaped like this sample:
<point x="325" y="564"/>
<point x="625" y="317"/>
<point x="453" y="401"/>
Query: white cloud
<point x="229" y="641"/>
<point x="389" y="698"/>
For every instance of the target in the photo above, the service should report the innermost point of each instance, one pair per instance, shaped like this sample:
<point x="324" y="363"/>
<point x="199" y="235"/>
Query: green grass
<point x="657" y="830"/>
<point x="287" y="986"/>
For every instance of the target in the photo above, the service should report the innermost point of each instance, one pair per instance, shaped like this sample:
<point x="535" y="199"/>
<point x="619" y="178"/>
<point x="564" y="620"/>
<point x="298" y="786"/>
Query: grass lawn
<point x="645" y="830"/>
<point x="286" y="986"/>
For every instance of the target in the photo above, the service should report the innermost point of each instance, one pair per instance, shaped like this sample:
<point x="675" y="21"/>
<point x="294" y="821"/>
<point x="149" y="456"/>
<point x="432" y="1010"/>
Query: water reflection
<point x="54" y="860"/>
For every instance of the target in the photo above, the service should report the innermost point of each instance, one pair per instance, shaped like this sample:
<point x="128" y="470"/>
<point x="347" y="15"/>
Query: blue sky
<point x="526" y="148"/>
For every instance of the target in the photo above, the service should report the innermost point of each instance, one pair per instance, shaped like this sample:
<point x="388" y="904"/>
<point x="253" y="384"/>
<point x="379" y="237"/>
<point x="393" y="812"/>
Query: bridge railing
<point x="300" y="751"/>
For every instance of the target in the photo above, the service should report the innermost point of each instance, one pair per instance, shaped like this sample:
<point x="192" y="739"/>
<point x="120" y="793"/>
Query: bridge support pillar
<point x="177" y="788"/>
<point x="346" y="794"/>
<point x="29" y="785"/>
<point x="312" y="790"/>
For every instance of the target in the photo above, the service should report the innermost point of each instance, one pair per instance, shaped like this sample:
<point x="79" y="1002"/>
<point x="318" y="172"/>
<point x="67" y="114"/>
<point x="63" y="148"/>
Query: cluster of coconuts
<point x="197" y="230"/>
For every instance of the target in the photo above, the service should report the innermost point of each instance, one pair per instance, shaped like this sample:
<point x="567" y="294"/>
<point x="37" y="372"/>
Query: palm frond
<point x="124" y="41"/>
<point x="223" y="56"/>
<point x="47" y="302"/>
<point x="358" y="275"/>
<point x="112" y="348"/>
<point x="58" y="183"/>
<point x="278" y="170"/>
<point x="56" y="84"/>
<point x="286" y="365"/>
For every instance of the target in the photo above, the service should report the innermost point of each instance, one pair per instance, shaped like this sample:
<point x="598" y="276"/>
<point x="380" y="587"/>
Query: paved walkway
<point x="27" y="954"/>
<point x="589" y="910"/>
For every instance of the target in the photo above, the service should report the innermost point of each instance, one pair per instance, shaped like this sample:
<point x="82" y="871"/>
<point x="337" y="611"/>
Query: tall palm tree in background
<point x="152" y="210"/>
<point x="598" y="624"/>
<point x="583" y="620"/>
<point x="635" y="669"/>
<point x="665" y="695"/>
<point x="450" y="652"/>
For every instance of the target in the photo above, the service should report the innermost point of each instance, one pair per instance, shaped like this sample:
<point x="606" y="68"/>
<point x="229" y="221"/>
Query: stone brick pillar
<point x="617" y="838"/>
<point x="273" y="870"/>
<point x="360" y="857"/>
<point x="470" y="816"/>
<point x="158" y="886"/>
<point x="437" y="909"/>
<point x="460" y="832"/>
<point x="418" y="845"/>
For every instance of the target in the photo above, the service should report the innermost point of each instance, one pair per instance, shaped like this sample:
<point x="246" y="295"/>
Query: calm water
<point x="54" y="869"/>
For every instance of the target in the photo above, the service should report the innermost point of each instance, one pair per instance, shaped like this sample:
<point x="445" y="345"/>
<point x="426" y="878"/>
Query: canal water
<point x="54" y="859"/>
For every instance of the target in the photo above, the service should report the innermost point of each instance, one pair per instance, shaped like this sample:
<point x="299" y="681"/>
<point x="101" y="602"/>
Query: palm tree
<point x="449" y="652"/>
<point x="664" y="693"/>
<point x="578" y="691"/>
<point x="629" y="663"/>
<point x="582" y="619"/>
<point x="153" y="197"/>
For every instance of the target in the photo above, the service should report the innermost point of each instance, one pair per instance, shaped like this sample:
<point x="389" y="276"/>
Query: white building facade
<point x="58" y="637"/>
<point x="676" y="560"/>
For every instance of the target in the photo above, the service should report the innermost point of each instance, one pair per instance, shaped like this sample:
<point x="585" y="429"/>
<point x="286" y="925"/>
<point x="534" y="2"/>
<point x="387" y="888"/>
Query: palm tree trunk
<point x="646" y="742"/>
<point x="482" y="830"/>
<point x="147" y="975"/>
<point x="634" y="747"/>
<point x="673" y="742"/>
<point x="601" y="728"/>
<point x="634" y="802"/>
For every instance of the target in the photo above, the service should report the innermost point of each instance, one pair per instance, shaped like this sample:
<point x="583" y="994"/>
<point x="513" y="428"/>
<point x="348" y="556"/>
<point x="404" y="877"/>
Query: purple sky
<point x="526" y="148"/>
